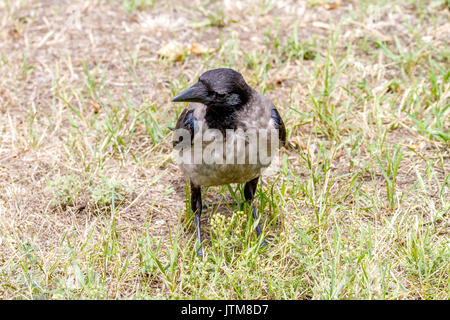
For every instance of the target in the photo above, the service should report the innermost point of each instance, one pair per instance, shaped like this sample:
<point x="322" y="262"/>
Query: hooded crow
<point x="222" y="102"/>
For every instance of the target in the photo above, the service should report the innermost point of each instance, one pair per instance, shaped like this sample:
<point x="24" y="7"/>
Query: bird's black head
<point x="218" y="89"/>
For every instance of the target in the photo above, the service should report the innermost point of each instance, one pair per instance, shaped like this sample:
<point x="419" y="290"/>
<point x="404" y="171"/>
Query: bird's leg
<point x="196" y="206"/>
<point x="249" y="192"/>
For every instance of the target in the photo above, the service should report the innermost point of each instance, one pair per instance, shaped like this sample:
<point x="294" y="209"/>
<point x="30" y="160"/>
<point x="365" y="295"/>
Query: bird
<point x="222" y="101"/>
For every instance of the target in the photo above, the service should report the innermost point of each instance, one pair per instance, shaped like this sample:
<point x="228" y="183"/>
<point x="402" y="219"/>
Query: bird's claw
<point x="263" y="244"/>
<point x="200" y="253"/>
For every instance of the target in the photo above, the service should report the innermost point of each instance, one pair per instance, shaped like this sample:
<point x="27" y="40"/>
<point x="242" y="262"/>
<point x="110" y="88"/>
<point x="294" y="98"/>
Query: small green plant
<point x="326" y="113"/>
<point x="104" y="193"/>
<point x="66" y="189"/>
<point x="107" y="192"/>
<point x="149" y="251"/>
<point x="295" y="49"/>
<point x="227" y="233"/>
<point x="215" y="15"/>
<point x="132" y="5"/>
<point x="389" y="164"/>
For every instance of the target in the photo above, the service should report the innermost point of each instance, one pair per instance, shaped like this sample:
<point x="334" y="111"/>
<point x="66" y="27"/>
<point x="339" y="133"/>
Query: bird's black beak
<point x="193" y="94"/>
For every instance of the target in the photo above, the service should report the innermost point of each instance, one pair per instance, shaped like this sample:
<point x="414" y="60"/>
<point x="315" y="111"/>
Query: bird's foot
<point x="263" y="244"/>
<point x="200" y="253"/>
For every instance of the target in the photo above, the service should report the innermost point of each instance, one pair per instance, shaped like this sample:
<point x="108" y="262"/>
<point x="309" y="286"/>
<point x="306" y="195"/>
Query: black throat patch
<point x="222" y="119"/>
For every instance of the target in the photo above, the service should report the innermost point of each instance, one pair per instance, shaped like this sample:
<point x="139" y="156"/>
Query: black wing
<point x="279" y="125"/>
<point x="188" y="122"/>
